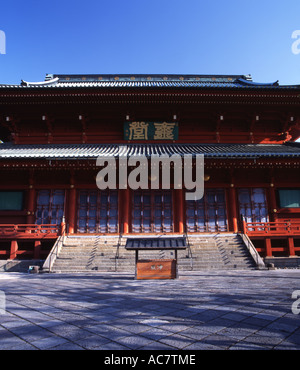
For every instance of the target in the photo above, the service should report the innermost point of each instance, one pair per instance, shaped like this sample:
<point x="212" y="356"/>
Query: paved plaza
<point x="227" y="310"/>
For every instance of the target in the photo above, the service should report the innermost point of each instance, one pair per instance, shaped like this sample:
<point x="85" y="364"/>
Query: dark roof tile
<point x="149" y="81"/>
<point x="92" y="151"/>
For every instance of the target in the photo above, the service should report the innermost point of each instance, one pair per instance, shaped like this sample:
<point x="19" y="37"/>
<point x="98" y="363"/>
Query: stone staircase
<point x="106" y="253"/>
<point x="216" y="252"/>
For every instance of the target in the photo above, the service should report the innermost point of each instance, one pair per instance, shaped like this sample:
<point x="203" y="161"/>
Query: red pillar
<point x="233" y="208"/>
<point x="30" y="205"/>
<point x="126" y="210"/>
<point x="72" y="210"/>
<point x="13" y="249"/>
<point x="37" y="249"/>
<point x="180" y="208"/>
<point x="272" y="199"/>
<point x="291" y="246"/>
<point x="268" y="247"/>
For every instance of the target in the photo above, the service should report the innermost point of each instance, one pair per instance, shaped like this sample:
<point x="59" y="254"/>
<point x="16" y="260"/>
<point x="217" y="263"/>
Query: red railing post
<point x="267" y="227"/>
<point x="62" y="228"/>
<point x="38" y="229"/>
<point x="245" y="231"/>
<point x="289" y="227"/>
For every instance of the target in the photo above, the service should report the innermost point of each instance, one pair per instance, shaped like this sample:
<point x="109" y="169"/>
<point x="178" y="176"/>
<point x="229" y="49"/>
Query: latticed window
<point x="253" y="204"/>
<point x="207" y="214"/>
<point x="152" y="211"/>
<point x="289" y="198"/>
<point x="11" y="200"/>
<point x="50" y="206"/>
<point x="97" y="211"/>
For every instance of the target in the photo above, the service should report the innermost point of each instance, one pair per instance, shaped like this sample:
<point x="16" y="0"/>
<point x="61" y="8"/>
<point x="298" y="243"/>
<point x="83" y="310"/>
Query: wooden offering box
<point x="156" y="269"/>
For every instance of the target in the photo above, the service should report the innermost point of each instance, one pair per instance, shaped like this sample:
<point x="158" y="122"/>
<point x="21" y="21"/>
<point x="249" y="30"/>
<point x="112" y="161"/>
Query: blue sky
<point x="150" y="36"/>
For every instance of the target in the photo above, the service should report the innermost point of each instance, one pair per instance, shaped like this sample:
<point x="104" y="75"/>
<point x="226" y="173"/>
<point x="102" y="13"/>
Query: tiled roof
<point x="161" y="243"/>
<point x="149" y="81"/>
<point x="92" y="151"/>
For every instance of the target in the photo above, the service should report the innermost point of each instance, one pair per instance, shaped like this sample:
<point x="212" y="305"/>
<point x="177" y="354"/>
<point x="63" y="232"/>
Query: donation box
<point x="156" y="268"/>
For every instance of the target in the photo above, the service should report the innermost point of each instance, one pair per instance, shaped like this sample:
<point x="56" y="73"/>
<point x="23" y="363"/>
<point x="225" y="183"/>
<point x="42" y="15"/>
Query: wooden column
<point x="233" y="207"/>
<point x="72" y="209"/>
<point x="31" y="200"/>
<point x="13" y="249"/>
<point x="291" y="246"/>
<point x="37" y="250"/>
<point x="268" y="247"/>
<point x="31" y="205"/>
<point x="180" y="209"/>
<point x="126" y="211"/>
<point x="272" y="200"/>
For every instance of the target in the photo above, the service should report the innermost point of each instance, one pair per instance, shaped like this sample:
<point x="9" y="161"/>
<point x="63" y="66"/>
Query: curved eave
<point x="93" y="151"/>
<point x="120" y="95"/>
<point x="127" y="86"/>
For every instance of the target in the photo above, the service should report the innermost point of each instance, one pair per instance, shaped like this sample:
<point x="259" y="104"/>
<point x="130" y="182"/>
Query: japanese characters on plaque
<point x="150" y="130"/>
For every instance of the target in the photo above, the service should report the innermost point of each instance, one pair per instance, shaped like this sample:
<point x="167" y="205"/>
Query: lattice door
<point x="152" y="211"/>
<point x="50" y="206"/>
<point x="253" y="204"/>
<point x="207" y="214"/>
<point x="97" y="211"/>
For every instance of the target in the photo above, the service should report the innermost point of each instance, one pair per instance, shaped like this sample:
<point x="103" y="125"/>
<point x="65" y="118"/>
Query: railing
<point x="190" y="255"/>
<point x="47" y="266"/>
<point x="29" y="231"/>
<point x="49" y="262"/>
<point x="118" y="252"/>
<point x="280" y="228"/>
<point x="252" y="250"/>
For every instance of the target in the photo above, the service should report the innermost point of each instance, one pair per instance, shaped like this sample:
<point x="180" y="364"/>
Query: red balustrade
<point x="30" y="231"/>
<point x="277" y="228"/>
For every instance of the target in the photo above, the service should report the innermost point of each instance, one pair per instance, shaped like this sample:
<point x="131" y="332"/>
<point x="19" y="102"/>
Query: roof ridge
<point x="133" y="76"/>
<point x="185" y="81"/>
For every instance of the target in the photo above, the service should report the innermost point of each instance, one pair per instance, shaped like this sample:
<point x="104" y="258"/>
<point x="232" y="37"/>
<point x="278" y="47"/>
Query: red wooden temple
<point x="53" y="131"/>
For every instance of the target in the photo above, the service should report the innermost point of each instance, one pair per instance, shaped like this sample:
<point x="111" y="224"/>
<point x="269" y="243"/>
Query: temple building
<point x="52" y="133"/>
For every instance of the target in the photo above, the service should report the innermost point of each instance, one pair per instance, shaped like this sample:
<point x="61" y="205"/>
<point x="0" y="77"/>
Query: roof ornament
<point x="51" y="82"/>
<point x="250" y="82"/>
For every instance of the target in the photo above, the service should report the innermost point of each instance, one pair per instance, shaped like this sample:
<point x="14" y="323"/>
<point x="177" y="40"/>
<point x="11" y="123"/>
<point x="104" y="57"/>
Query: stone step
<point x="99" y="254"/>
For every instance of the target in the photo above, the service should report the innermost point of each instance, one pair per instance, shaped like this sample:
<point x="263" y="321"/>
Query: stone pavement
<point x="207" y="310"/>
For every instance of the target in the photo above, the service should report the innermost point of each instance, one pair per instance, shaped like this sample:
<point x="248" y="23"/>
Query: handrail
<point x="48" y="264"/>
<point x="117" y="252"/>
<point x="189" y="251"/>
<point x="51" y="258"/>
<point x="255" y="255"/>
